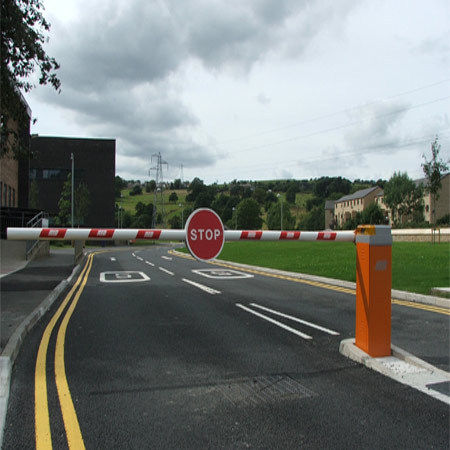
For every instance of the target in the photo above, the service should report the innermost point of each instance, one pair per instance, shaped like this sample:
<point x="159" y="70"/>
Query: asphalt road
<point x="166" y="363"/>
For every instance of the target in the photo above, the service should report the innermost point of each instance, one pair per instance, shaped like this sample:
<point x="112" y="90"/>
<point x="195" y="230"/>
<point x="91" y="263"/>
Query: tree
<point x="119" y="184"/>
<point x="82" y="202"/>
<point x="150" y="186"/>
<point x="372" y="215"/>
<point x="173" y="197"/>
<point x="137" y="190"/>
<point x="274" y="217"/>
<point x="175" y="222"/>
<point x="65" y="203"/>
<point x="403" y="197"/>
<point x="248" y="214"/>
<point x="433" y="170"/>
<point x="290" y="193"/>
<point x="313" y="220"/>
<point x="23" y="29"/>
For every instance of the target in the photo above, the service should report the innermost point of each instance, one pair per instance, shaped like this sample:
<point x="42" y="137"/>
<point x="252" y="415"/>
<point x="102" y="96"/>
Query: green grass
<point x="416" y="267"/>
<point x="128" y="202"/>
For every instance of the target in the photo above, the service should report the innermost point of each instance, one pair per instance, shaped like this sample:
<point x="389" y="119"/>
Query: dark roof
<point x="358" y="194"/>
<point x="329" y="204"/>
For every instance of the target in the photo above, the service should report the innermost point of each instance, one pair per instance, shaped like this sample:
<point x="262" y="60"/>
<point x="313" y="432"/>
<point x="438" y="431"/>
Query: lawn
<point x="416" y="267"/>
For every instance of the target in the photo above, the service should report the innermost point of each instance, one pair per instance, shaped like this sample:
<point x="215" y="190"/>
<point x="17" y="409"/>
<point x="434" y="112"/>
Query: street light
<point x="281" y="218"/>
<point x="182" y="214"/>
<point x="235" y="218"/>
<point x="73" y="177"/>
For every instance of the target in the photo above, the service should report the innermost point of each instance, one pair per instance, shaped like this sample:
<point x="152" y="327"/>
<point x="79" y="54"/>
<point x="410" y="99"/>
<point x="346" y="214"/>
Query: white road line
<point x="166" y="271"/>
<point x="112" y="258"/>
<point x="202" y="287"/>
<point x="133" y="254"/>
<point x="304" y="322"/>
<point x="139" y="258"/>
<point x="167" y="257"/>
<point x="150" y="263"/>
<point x="275" y="322"/>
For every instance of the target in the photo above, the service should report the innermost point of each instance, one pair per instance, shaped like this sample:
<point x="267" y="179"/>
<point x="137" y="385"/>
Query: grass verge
<point x="416" y="267"/>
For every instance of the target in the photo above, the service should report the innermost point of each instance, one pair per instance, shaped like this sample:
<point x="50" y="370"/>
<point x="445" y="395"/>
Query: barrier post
<point x="373" y="289"/>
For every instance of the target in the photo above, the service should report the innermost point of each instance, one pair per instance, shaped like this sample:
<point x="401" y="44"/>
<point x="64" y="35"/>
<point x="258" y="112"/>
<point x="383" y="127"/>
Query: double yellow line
<point x="42" y="418"/>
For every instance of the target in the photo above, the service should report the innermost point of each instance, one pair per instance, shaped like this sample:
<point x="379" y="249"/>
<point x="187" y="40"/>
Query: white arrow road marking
<point x="133" y="254"/>
<point x="202" y="287"/>
<point x="166" y="271"/>
<point x="113" y="259"/>
<point x="275" y="322"/>
<point x="150" y="263"/>
<point x="304" y="322"/>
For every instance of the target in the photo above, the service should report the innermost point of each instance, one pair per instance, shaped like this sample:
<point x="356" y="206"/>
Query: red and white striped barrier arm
<point x="120" y="234"/>
<point x="305" y="236"/>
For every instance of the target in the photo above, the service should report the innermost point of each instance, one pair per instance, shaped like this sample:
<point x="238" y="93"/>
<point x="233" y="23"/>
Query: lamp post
<point x="182" y="214"/>
<point x="73" y="179"/>
<point x="281" y="207"/>
<point x="235" y="218"/>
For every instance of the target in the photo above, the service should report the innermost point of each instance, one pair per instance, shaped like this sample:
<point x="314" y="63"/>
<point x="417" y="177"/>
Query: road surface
<point x="154" y="350"/>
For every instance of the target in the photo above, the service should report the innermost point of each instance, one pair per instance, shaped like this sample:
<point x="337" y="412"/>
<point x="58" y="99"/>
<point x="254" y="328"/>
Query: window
<point x="13" y="197"/>
<point x="1" y="193"/>
<point x="9" y="195"/>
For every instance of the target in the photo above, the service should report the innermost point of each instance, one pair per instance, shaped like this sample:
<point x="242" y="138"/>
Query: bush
<point x="444" y="220"/>
<point x="137" y="190"/>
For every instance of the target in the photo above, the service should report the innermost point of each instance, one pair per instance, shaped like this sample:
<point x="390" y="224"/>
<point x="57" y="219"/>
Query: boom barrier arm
<point x="120" y="234"/>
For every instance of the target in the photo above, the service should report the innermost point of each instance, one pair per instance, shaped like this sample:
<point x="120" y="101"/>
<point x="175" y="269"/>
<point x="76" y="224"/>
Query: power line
<point x="332" y="114"/>
<point x="339" y="127"/>
<point x="361" y="150"/>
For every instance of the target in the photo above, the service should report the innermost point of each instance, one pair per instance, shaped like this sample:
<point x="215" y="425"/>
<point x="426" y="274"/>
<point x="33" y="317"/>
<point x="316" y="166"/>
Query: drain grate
<point x="263" y="389"/>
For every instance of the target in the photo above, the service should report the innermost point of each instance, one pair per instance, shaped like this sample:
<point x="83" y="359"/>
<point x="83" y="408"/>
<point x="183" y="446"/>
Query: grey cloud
<point x="120" y="62"/>
<point x="378" y="126"/>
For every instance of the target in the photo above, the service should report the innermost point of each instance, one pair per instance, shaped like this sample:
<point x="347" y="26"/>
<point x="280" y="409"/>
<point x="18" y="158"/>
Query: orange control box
<point x="373" y="290"/>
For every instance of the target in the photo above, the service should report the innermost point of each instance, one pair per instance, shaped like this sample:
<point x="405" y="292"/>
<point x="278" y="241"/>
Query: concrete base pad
<point x="403" y="367"/>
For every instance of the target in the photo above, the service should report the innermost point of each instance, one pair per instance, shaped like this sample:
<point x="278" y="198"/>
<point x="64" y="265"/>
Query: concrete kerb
<point x="12" y="348"/>
<point x="402" y="367"/>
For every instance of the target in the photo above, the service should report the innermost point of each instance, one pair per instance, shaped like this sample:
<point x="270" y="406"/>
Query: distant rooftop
<point x="358" y="194"/>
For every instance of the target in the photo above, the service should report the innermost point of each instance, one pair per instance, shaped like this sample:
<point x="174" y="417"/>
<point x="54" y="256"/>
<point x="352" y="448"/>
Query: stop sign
<point x="204" y="234"/>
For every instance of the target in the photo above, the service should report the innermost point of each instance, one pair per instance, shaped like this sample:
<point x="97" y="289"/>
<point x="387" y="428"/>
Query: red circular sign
<point x="204" y="234"/>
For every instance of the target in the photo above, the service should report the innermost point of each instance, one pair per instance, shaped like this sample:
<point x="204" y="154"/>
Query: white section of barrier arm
<point x="86" y="234"/>
<point x="305" y="236"/>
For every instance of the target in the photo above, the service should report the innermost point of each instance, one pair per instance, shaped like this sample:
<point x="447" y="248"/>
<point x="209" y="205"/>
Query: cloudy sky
<point x="252" y="90"/>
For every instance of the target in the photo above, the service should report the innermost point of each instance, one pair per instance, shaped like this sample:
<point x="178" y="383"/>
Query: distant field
<point x="416" y="267"/>
<point x="129" y="202"/>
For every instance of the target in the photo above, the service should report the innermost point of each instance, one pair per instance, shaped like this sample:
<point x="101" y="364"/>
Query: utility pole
<point x="73" y="182"/>
<point x="158" y="169"/>
<point x="181" y="174"/>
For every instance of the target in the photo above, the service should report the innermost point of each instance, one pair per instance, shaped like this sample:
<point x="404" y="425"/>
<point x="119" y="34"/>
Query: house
<point x="435" y="210"/>
<point x="348" y="206"/>
<point x="329" y="215"/>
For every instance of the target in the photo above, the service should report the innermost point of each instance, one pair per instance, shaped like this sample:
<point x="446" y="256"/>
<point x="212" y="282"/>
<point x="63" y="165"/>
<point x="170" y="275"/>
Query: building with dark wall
<point x="95" y="165"/>
<point x="14" y="169"/>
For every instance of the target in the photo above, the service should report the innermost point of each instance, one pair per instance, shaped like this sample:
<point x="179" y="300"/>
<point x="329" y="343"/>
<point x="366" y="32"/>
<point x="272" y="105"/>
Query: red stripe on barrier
<point x="148" y="234"/>
<point x="289" y="235"/>
<point x="96" y="232"/>
<point x="56" y="233"/>
<point x="251" y="235"/>
<point x="326" y="236"/>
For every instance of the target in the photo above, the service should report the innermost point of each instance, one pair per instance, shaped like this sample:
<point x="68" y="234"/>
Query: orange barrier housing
<point x="373" y="289"/>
